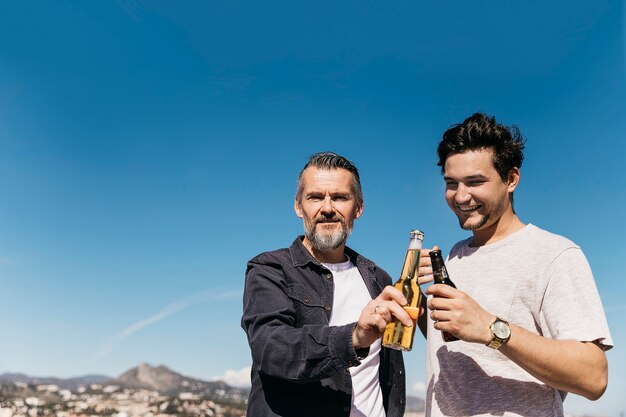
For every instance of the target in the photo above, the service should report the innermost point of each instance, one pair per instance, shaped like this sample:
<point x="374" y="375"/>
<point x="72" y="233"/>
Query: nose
<point x="462" y="194"/>
<point x="327" y="208"/>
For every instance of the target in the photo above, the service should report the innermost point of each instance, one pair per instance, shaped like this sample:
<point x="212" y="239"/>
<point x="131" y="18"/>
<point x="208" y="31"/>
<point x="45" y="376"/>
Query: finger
<point x="390" y="310"/>
<point x="438" y="315"/>
<point x="425" y="256"/>
<point x="439" y="303"/>
<point x="425" y="274"/>
<point x="400" y="313"/>
<point x="379" y="322"/>
<point x="440" y="325"/>
<point x="414" y="312"/>
<point x="383" y="311"/>
<point x="425" y="265"/>
<point x="425" y="270"/>
<point x="424" y="261"/>
<point x="441" y="290"/>
<point x="436" y="247"/>
<point x="390" y="293"/>
<point x="425" y="252"/>
<point x="446" y="326"/>
<point x="374" y="306"/>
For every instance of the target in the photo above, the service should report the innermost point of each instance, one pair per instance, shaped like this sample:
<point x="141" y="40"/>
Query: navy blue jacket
<point x="300" y="363"/>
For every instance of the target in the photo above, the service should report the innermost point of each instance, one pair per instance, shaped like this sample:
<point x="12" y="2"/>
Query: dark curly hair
<point x="480" y="131"/>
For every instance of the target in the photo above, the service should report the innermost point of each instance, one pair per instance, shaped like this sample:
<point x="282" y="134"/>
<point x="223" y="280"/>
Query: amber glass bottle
<point x="397" y="335"/>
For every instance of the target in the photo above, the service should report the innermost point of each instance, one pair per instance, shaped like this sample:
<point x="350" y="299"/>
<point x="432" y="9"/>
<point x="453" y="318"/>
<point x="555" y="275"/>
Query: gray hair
<point x="329" y="161"/>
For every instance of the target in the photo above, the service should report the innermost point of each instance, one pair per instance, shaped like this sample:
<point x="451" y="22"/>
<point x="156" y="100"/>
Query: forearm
<point x="289" y="339"/>
<point x="306" y="354"/>
<point x="567" y="365"/>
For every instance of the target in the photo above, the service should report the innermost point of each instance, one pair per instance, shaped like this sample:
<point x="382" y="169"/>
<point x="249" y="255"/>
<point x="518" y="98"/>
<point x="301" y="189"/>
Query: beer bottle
<point x="440" y="276"/>
<point x="398" y="336"/>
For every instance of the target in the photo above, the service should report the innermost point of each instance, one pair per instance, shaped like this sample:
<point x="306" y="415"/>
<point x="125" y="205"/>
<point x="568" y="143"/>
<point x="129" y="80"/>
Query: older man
<point x="314" y="312"/>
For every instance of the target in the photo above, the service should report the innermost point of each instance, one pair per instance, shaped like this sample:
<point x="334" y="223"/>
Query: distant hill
<point x="168" y="382"/>
<point x="160" y="379"/>
<point x="414" y="404"/>
<point x="64" y="383"/>
<point x="164" y="381"/>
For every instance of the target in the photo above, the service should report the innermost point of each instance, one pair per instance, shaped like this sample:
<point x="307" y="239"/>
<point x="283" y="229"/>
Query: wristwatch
<point x="501" y="333"/>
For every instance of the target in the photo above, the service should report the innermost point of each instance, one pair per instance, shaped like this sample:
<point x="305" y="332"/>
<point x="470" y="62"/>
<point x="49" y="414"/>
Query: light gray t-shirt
<point x="534" y="279"/>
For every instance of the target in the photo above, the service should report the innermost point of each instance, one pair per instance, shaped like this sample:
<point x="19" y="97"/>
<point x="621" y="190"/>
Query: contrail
<point x="166" y="311"/>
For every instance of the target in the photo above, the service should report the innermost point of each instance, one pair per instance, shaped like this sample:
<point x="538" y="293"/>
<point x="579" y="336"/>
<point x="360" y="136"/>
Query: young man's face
<point x="474" y="190"/>
<point x="328" y="207"/>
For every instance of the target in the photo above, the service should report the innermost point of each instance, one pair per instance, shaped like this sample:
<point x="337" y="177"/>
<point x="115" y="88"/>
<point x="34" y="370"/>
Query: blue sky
<point x="149" y="149"/>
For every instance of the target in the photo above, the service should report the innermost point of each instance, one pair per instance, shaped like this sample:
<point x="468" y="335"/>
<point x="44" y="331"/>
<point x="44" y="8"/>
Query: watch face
<point x="501" y="330"/>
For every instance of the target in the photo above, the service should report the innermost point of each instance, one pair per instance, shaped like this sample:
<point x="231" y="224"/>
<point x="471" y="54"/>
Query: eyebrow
<point x="332" y="194"/>
<point x="469" y="177"/>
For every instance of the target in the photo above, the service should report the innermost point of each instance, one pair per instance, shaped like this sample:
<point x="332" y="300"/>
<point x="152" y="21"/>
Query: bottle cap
<point x="436" y="259"/>
<point x="435" y="253"/>
<point x="416" y="234"/>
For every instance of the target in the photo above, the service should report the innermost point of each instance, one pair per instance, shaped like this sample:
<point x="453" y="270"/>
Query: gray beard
<point x="326" y="242"/>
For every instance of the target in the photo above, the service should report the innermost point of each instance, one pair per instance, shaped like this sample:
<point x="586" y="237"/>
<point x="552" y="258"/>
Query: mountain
<point x="160" y="379"/>
<point x="67" y="383"/>
<point x="164" y="381"/>
<point x="414" y="404"/>
<point x="168" y="382"/>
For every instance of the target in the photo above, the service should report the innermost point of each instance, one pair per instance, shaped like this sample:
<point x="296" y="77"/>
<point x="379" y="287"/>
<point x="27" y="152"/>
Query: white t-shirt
<point x="534" y="279"/>
<point x="350" y="296"/>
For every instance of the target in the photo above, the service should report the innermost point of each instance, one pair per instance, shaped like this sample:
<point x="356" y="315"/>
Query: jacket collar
<point x="301" y="256"/>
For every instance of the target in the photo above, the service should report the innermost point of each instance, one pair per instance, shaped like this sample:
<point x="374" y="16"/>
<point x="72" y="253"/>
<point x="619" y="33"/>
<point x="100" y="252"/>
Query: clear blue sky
<point x="149" y="149"/>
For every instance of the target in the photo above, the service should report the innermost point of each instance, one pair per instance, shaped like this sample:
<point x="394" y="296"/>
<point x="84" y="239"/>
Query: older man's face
<point x="328" y="207"/>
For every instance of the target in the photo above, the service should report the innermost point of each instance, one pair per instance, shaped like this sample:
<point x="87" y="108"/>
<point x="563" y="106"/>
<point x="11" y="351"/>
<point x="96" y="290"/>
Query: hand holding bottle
<point x="377" y="314"/>
<point x="425" y="273"/>
<point x="457" y="313"/>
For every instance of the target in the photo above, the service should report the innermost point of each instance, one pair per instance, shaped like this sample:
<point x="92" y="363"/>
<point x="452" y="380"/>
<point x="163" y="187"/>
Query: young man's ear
<point x="513" y="179"/>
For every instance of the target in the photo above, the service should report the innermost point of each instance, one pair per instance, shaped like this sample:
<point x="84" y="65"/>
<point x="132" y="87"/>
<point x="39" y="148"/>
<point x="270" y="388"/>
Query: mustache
<point x="327" y="220"/>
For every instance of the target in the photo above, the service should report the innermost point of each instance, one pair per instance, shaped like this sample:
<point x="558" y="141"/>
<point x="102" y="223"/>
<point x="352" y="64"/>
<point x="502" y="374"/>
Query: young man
<point x="527" y="310"/>
<point x="314" y="313"/>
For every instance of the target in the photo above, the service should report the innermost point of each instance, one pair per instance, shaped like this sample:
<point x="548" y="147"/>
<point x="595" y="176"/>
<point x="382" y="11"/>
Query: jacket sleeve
<point x="279" y="347"/>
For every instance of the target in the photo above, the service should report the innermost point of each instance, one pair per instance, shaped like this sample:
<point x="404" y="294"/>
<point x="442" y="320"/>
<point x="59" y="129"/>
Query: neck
<point x="505" y="226"/>
<point x="333" y="257"/>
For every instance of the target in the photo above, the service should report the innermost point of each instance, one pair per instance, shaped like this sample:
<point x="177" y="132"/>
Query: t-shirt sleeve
<point x="571" y="307"/>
